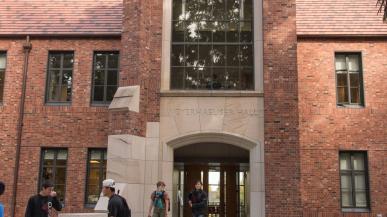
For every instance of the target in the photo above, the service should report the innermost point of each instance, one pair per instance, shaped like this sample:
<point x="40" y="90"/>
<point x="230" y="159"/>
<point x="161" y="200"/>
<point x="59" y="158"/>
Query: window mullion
<point x="60" y="76"/>
<point x="197" y="66"/>
<point x="88" y="176"/>
<point x="366" y="181"/>
<point x="54" y="166"/>
<point x="41" y="169"/>
<point x="185" y="51"/>
<point x="239" y="66"/>
<point x="348" y="80"/>
<point x="101" y="170"/>
<point x="106" y="78"/>
<point x="353" y="190"/>
<point x="93" y="77"/>
<point x="48" y="84"/>
<point x="353" y="181"/>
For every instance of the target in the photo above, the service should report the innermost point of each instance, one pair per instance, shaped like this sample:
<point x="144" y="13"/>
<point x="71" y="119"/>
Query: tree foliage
<point x="382" y="8"/>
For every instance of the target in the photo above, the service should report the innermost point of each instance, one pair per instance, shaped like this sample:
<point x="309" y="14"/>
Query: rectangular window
<point x="53" y="168"/>
<point x="96" y="173"/>
<point x="59" y="77"/>
<point x="105" y="77"/>
<point x="212" y="45"/>
<point x="349" y="79"/>
<point x="3" y="63"/>
<point x="354" y="180"/>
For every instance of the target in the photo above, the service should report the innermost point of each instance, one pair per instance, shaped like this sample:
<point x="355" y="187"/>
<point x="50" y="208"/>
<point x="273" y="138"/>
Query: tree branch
<point x="382" y="4"/>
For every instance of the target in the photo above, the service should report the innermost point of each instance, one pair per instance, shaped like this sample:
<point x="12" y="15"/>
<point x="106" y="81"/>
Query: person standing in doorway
<point x="117" y="207"/>
<point x="197" y="200"/>
<point x="2" y="189"/>
<point x="44" y="204"/>
<point x="159" y="201"/>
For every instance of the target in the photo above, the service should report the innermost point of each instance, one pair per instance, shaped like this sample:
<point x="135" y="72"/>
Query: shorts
<point x="157" y="212"/>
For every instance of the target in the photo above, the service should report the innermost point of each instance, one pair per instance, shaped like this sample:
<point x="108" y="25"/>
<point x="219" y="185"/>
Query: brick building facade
<point x="291" y="124"/>
<point x="328" y="127"/>
<point x="50" y="126"/>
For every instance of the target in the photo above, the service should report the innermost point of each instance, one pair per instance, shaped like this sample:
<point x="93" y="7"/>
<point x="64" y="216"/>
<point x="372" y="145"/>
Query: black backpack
<point x="128" y="212"/>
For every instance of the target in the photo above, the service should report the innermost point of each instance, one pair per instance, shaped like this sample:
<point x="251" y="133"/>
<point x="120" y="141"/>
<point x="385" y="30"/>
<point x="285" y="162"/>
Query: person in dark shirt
<point x="117" y="206"/>
<point x="44" y="203"/>
<point x="197" y="200"/>
<point x="2" y="189"/>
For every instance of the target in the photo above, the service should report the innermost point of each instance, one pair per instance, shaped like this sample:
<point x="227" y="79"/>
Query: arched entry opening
<point x="224" y="170"/>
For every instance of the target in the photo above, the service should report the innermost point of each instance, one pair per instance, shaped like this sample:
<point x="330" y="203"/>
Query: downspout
<point x="26" y="48"/>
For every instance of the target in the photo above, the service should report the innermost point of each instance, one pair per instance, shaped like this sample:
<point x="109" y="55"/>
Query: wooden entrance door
<point x="220" y="183"/>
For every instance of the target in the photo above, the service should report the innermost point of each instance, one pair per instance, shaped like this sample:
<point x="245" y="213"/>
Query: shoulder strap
<point x="153" y="195"/>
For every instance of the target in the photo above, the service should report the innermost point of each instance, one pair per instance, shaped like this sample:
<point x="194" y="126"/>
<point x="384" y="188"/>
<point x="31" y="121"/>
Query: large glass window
<point x="354" y="180"/>
<point x="105" y="77"/>
<point x="53" y="168"/>
<point x="3" y="63"/>
<point x="60" y="77"/>
<point x="212" y="45"/>
<point x="96" y="173"/>
<point x="349" y="79"/>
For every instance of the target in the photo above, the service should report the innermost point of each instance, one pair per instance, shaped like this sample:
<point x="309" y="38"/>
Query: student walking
<point x="117" y="207"/>
<point x="160" y="202"/>
<point x="44" y="204"/>
<point x="197" y="200"/>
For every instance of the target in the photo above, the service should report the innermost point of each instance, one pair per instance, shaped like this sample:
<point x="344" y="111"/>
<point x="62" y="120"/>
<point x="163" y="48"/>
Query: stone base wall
<point x="133" y="162"/>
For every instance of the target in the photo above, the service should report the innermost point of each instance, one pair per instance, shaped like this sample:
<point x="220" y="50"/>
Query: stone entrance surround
<point x="137" y="163"/>
<point x="235" y="121"/>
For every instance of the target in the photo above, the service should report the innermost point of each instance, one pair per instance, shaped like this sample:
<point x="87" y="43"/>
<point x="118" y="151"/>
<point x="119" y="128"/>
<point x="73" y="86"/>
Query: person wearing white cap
<point x="117" y="207"/>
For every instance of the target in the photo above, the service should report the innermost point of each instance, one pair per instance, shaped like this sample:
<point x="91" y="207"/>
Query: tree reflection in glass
<point x="212" y="45"/>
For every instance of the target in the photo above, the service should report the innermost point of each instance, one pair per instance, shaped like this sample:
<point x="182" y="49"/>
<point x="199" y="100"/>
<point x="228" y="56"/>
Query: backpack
<point x="162" y="198"/>
<point x="128" y="212"/>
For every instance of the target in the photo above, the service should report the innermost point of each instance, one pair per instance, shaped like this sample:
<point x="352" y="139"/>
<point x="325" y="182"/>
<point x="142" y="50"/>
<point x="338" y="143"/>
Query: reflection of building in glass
<point x="212" y="45"/>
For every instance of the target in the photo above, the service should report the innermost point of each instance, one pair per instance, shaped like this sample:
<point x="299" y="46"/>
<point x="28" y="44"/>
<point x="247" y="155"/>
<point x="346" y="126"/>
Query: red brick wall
<point x="140" y="64"/>
<point x="9" y="115"/>
<point x="325" y="128"/>
<point x="76" y="127"/>
<point x="282" y="167"/>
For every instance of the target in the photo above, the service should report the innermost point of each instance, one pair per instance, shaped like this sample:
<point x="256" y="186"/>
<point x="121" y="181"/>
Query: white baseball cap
<point x="110" y="183"/>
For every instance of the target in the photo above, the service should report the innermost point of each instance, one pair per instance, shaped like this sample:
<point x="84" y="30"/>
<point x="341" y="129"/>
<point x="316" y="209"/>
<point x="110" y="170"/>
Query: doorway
<point x="224" y="174"/>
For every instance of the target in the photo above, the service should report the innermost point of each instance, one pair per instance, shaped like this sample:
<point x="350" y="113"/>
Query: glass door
<point x="215" y="191"/>
<point x="226" y="186"/>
